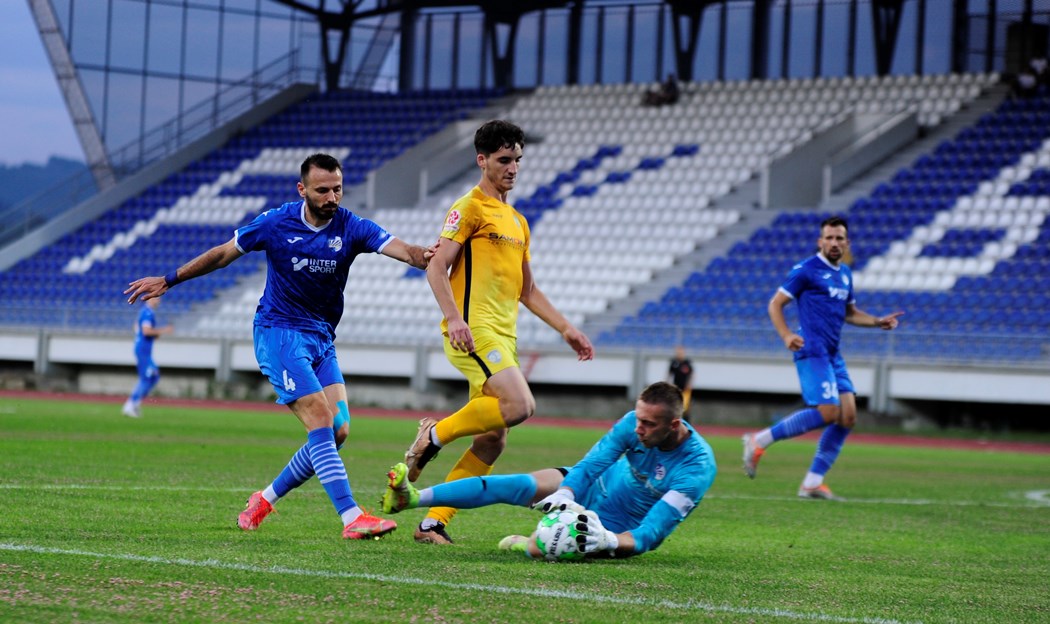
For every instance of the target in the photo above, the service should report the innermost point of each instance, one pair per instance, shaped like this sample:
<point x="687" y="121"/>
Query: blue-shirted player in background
<point x="309" y="246"/>
<point x="146" y="331"/>
<point x="642" y="479"/>
<point x="822" y="286"/>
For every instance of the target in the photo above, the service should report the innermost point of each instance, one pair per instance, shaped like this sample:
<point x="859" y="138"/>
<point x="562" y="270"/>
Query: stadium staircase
<point x="945" y="238"/>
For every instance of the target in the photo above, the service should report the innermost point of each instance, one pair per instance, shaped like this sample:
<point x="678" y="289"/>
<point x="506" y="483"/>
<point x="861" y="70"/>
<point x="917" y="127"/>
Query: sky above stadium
<point x="34" y="122"/>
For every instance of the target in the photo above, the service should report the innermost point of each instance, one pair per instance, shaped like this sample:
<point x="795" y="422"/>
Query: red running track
<point x="858" y="437"/>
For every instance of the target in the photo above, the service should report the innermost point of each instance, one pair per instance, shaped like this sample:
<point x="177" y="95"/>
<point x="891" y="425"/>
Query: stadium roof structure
<point x="135" y="96"/>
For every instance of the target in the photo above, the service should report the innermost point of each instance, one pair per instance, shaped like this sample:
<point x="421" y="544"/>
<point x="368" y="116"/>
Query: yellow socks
<point x="468" y="466"/>
<point x="479" y="415"/>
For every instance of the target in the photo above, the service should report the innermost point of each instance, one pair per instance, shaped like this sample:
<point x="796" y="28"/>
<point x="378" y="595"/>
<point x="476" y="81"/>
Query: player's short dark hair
<point x="665" y="395"/>
<point x="321" y="161"/>
<point x="494" y="135"/>
<point x="834" y="221"/>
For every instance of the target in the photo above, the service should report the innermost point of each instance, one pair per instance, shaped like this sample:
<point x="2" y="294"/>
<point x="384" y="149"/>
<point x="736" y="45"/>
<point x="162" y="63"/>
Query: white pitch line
<point x="1035" y="500"/>
<point x="130" y="488"/>
<point x="688" y="605"/>
<point x="1034" y="504"/>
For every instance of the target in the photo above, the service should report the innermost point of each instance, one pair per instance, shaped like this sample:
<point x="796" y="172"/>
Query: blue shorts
<point x="146" y="366"/>
<point x="822" y="379"/>
<point x="297" y="363"/>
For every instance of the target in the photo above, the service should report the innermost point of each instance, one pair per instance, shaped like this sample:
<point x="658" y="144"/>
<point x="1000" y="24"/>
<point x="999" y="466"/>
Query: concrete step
<point x="966" y="117"/>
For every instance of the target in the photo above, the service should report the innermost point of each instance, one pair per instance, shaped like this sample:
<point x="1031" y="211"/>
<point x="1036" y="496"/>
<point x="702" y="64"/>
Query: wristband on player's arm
<point x="172" y="278"/>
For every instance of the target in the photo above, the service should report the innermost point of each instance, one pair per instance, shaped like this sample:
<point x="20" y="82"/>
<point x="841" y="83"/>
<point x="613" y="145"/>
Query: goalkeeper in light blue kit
<point x="640" y="481"/>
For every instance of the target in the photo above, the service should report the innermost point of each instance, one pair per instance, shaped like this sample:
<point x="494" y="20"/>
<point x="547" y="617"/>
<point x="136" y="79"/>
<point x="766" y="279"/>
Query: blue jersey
<point x="642" y="490"/>
<point x="144" y="343"/>
<point x="822" y="293"/>
<point x="307" y="267"/>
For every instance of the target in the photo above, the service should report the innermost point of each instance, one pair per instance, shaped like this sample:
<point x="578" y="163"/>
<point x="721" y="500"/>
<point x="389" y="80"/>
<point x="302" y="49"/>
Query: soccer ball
<point x="556" y="536"/>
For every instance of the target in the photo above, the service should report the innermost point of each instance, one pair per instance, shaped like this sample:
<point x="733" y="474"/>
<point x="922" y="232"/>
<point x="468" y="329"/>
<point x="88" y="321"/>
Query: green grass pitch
<point x="109" y="519"/>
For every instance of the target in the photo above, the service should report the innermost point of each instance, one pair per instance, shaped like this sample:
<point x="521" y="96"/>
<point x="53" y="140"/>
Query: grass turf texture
<point x="109" y="519"/>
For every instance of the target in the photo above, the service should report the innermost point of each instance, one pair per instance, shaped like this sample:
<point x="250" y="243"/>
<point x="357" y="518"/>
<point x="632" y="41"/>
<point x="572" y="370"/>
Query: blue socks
<point x="329" y="468"/>
<point x="516" y="489"/>
<point x="828" y="448"/>
<point x="142" y="389"/>
<point x="798" y="423"/>
<point x="297" y="472"/>
<point x="300" y="469"/>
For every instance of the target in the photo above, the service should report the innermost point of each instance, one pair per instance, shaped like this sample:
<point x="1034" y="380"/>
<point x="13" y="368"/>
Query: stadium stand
<point x="77" y="281"/>
<point x="615" y="193"/>
<point x="959" y="239"/>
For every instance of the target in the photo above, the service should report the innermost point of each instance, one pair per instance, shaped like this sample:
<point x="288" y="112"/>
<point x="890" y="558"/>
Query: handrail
<point x="863" y="151"/>
<point x="19" y="218"/>
<point x="867" y="137"/>
<point x="163" y="140"/>
<point x="206" y="115"/>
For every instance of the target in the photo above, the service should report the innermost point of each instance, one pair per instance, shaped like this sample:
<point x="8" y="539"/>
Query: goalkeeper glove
<point x="594" y="537"/>
<point x="562" y="500"/>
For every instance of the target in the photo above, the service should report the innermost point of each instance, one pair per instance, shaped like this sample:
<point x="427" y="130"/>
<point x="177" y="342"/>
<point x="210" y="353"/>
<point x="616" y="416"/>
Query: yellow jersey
<point x="486" y="276"/>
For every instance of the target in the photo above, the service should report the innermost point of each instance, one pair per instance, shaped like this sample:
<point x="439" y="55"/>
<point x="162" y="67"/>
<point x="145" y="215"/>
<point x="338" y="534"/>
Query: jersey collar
<point x="302" y="217"/>
<point x="828" y="262"/>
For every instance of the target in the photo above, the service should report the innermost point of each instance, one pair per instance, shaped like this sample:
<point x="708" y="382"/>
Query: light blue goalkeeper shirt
<point x="644" y="491"/>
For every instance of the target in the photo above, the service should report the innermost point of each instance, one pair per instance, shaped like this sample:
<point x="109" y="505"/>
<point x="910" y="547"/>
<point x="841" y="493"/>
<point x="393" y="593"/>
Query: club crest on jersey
<point x="845" y="280"/>
<point x="335" y="243"/>
<point x="452" y="221"/>
<point x="660" y="472"/>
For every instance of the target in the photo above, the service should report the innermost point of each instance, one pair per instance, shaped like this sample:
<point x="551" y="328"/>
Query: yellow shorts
<point x="491" y="354"/>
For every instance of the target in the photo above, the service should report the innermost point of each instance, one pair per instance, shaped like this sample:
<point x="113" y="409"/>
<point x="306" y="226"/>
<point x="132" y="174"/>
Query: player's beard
<point x="324" y="212"/>
<point x="834" y="258"/>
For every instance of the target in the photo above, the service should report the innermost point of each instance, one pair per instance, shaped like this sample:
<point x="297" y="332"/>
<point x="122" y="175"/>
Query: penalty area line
<point x="686" y="605"/>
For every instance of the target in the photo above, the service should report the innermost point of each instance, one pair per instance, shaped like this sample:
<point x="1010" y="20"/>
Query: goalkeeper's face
<point x="653" y="426"/>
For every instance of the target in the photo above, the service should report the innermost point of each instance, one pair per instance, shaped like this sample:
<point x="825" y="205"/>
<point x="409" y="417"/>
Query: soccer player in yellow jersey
<point x="485" y="243"/>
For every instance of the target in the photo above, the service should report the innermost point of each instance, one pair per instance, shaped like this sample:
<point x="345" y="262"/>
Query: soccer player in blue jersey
<point x="822" y="286"/>
<point x="146" y="331"/>
<point x="642" y="478"/>
<point x="309" y="246"/>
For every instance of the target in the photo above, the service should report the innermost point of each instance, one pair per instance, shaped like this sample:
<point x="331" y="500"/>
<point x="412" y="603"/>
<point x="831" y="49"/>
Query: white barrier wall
<point x="629" y="371"/>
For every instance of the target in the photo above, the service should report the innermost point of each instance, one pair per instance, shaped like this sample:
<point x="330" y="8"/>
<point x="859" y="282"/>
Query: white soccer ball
<point x="556" y="536"/>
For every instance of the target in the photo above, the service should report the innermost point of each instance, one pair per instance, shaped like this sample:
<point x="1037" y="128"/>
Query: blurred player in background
<point x="642" y="478"/>
<point x="823" y="288"/>
<point x="309" y="246"/>
<point x="680" y="373"/>
<point x="485" y="243"/>
<point x="146" y="331"/>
